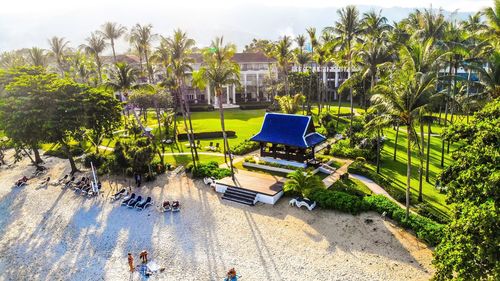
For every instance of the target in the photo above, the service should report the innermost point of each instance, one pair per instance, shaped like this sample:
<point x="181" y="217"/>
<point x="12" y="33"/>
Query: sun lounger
<point x="44" y="183"/>
<point x="21" y="182"/>
<point x="144" y="204"/>
<point x="69" y="183"/>
<point x="209" y="181"/>
<point x="131" y="204"/>
<point x="119" y="194"/>
<point x="127" y="199"/>
<point x="61" y="180"/>
<point x="165" y="207"/>
<point x="176" y="206"/>
<point x="299" y="202"/>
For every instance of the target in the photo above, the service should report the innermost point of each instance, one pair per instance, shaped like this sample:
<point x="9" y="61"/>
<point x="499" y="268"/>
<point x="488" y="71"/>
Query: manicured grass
<point x="396" y="170"/>
<point x="352" y="186"/>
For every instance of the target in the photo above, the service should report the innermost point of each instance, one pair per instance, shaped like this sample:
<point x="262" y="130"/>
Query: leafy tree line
<point x="38" y="107"/>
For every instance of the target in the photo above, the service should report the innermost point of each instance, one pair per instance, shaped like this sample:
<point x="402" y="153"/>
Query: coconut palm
<point x="348" y="31"/>
<point x="321" y="57"/>
<point x="311" y="31"/>
<point x="284" y="55"/>
<point x="492" y="15"/>
<point x="220" y="70"/>
<point x="94" y="47"/>
<point x="374" y="26"/>
<point x="300" y="181"/>
<point x="58" y="46"/>
<point x="112" y="31"/>
<point x="402" y="94"/>
<point x="37" y="57"/>
<point x="489" y="77"/>
<point x="142" y="37"/>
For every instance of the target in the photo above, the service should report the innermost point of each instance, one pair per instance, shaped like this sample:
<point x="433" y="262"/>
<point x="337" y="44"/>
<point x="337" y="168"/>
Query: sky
<point x="27" y="23"/>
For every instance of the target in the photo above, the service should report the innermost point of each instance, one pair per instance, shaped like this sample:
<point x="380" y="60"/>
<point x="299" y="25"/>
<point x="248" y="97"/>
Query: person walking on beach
<point x="138" y="179"/>
<point x="144" y="256"/>
<point x="131" y="262"/>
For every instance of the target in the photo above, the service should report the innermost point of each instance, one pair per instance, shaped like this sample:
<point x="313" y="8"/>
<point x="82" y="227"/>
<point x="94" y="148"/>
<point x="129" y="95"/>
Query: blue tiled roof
<point x="287" y="129"/>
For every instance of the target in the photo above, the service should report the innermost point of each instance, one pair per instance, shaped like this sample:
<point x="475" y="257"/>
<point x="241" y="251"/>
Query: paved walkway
<point x="328" y="181"/>
<point x="375" y="188"/>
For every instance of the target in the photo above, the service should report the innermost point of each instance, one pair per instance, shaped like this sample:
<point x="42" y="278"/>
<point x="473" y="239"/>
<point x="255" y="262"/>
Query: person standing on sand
<point x="144" y="256"/>
<point x="131" y="262"/>
<point x="138" y="179"/>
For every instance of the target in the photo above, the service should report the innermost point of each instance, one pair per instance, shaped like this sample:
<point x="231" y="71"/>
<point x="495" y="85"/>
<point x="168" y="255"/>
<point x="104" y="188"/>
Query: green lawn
<point x="396" y="170"/>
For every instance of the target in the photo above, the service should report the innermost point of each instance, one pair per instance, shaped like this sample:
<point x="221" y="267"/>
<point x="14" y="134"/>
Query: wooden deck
<point x="257" y="182"/>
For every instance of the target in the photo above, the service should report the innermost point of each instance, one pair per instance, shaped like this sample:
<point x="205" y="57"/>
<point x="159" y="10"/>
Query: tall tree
<point x="112" y="31"/>
<point x="37" y="57"/>
<point x="142" y="36"/>
<point x="94" y="47"/>
<point x="284" y="55"/>
<point x="219" y="70"/>
<point x="59" y="46"/>
<point x="348" y="30"/>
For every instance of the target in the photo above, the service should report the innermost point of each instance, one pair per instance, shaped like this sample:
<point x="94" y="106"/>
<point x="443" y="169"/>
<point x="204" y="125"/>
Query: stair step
<point x="244" y="195"/>
<point x="239" y="197"/>
<point x="240" y="190"/>
<point x="246" y="202"/>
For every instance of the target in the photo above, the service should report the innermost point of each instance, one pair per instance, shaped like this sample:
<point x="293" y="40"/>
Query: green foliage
<point x="471" y="245"/>
<point x="289" y="104"/>
<point x="300" y="181"/>
<point x="96" y="159"/>
<point x="425" y="228"/>
<point x="209" y="169"/>
<point x="245" y="147"/>
<point x="58" y="152"/>
<point x="337" y="200"/>
<point x="343" y="149"/>
<point x="349" y="186"/>
<point x="358" y="167"/>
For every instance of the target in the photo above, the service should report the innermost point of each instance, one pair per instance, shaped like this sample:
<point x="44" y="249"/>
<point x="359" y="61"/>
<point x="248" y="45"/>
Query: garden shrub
<point x="206" y="135"/>
<point x="200" y="107"/>
<point x="96" y="159"/>
<point x="245" y="147"/>
<point x="343" y="149"/>
<point x="337" y="200"/>
<point x="347" y="186"/>
<point x="254" y="105"/>
<point x="210" y="169"/>
<point x="425" y="228"/>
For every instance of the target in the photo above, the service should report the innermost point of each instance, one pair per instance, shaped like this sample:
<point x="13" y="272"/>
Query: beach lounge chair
<point x="209" y="181"/>
<point x="176" y="206"/>
<point x="165" y="207"/>
<point x="119" y="194"/>
<point x="210" y="146"/>
<point x="21" y="182"/>
<point x="69" y="183"/>
<point x="61" y="180"/>
<point x="131" y="204"/>
<point x="299" y="202"/>
<point x="44" y="183"/>
<point x="95" y="189"/>
<point x="144" y="204"/>
<point x="40" y="170"/>
<point x="217" y="147"/>
<point x="127" y="199"/>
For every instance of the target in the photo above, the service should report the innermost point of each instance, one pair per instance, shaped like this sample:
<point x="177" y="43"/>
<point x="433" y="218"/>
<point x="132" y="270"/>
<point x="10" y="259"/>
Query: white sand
<point x="55" y="234"/>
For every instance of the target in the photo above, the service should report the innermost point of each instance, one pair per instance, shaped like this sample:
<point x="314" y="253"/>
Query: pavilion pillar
<point x="208" y="93"/>
<point x="245" y="83"/>
<point x="227" y="94"/>
<point x="258" y="95"/>
<point x="234" y="94"/>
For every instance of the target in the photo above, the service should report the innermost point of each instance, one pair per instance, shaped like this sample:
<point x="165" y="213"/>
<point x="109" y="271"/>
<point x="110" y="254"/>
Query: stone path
<point x="328" y="181"/>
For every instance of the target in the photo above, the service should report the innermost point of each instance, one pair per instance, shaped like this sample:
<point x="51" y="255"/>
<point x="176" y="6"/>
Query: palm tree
<point x="300" y="181"/>
<point x="37" y="57"/>
<point x="311" y="31"/>
<point x="348" y="30"/>
<point x="403" y="93"/>
<point x="492" y="15"/>
<point x="112" y="31"/>
<point x="219" y="70"/>
<point x="142" y="37"/>
<point x="284" y="55"/>
<point x="94" y="47"/>
<point x="489" y="77"/>
<point x="179" y="48"/>
<point x="322" y="57"/>
<point x="58" y="46"/>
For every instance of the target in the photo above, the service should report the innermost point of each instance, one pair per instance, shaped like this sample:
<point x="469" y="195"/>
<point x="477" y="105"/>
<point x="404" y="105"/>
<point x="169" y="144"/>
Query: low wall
<point x="267" y="168"/>
<point x="284" y="162"/>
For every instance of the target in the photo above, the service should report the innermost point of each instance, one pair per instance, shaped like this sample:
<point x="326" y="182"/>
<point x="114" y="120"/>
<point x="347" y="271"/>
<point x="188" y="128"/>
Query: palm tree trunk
<point x="224" y="135"/>
<point x="421" y="167"/>
<point x="408" y="169"/>
<point x="428" y="151"/>
<point x="378" y="151"/>
<point x="468" y="94"/>
<point x="440" y="111"/>
<point x="160" y="138"/>
<point x="396" y="141"/>
<point x="350" y="97"/>
<point x="188" y="113"/>
<point x="113" y="48"/>
<point x="338" y="113"/>
<point x="150" y="78"/>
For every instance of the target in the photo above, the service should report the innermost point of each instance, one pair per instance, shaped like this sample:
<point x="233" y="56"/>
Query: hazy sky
<point x="27" y="23"/>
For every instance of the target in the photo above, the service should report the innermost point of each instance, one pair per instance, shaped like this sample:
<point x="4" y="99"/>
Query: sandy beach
<point x="55" y="234"/>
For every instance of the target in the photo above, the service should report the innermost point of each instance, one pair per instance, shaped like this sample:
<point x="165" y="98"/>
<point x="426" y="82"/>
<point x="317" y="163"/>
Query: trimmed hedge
<point x="254" y="105"/>
<point x="337" y="200"/>
<point x="245" y="147"/>
<point x="210" y="169"/>
<point x="200" y="107"/>
<point x="425" y="228"/>
<point x="343" y="149"/>
<point x="207" y="135"/>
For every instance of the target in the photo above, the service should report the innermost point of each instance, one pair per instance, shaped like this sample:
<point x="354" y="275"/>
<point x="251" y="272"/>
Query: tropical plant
<point x="112" y="31"/>
<point x="284" y="55"/>
<point x="300" y="181"/>
<point x="58" y="46"/>
<point x="94" y="47"/>
<point x="37" y="57"/>
<point x="142" y="37"/>
<point x="289" y="104"/>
